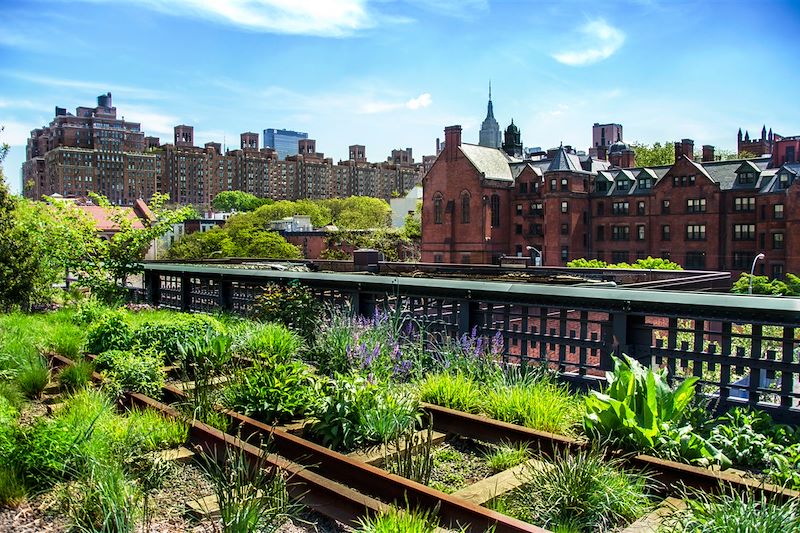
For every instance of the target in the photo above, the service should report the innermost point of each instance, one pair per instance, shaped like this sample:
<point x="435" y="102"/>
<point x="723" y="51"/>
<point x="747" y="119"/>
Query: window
<point x="646" y="183"/>
<point x="696" y="232"/>
<point x="601" y="207"/>
<point x="564" y="207"/>
<point x="777" y="211"/>
<point x="664" y="207"/>
<point x="564" y="253"/>
<point x="623" y="184"/>
<point x="790" y="154"/>
<point x="553" y="184"/>
<point x="536" y="208"/>
<point x="465" y="208"/>
<point x="620" y="208"/>
<point x="620" y="233"/>
<point x="665" y="232"/>
<point x="602" y="186"/>
<point x="777" y="271"/>
<point x="696" y="205"/>
<point x="747" y="203"/>
<point x="437" y="208"/>
<point x="519" y="209"/>
<point x="564" y="229"/>
<point x="741" y="260"/>
<point x="564" y="184"/>
<point x="747" y="177"/>
<point x="682" y="181"/>
<point x="523" y="187"/>
<point x="695" y="260"/>
<point x="640" y="232"/>
<point x="777" y="241"/>
<point x="640" y="207"/>
<point x="438" y="258"/>
<point x="518" y="229"/>
<point x="465" y="259"/>
<point x="783" y="180"/>
<point x="744" y="232"/>
<point x="495" y="209"/>
<point x="619" y="256"/>
<point x="601" y="233"/>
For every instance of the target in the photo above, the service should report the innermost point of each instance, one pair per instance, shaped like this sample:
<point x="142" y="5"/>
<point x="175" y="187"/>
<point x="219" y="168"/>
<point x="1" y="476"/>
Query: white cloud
<point x="153" y="121"/>
<point x="16" y="133"/>
<point x="97" y="87"/>
<point x="326" y="18"/>
<point x="600" y="41"/>
<point x="423" y="100"/>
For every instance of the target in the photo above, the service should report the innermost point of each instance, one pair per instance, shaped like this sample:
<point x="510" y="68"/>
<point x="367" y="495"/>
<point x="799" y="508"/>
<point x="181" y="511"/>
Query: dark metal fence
<point x="744" y="349"/>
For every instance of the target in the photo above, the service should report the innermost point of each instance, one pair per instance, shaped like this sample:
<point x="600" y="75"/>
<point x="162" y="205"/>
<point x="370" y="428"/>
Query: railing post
<point x="225" y="294"/>
<point x="153" y="284"/>
<point x="469" y="316"/>
<point x="186" y="292"/>
<point x="630" y="336"/>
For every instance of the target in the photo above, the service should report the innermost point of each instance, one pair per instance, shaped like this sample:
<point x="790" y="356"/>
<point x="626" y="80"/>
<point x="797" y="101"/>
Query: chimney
<point x="602" y="152"/>
<point x="437" y="145"/>
<point x="684" y="147"/>
<point x="708" y="153"/>
<point x="452" y="140"/>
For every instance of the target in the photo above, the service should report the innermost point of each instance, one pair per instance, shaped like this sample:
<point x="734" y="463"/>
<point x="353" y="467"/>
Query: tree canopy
<point x="650" y="263"/>
<point x="654" y="155"/>
<point x="763" y="285"/>
<point x="238" y="201"/>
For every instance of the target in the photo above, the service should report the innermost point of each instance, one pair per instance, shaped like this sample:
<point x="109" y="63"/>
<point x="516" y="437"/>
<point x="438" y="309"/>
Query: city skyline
<point x="392" y="74"/>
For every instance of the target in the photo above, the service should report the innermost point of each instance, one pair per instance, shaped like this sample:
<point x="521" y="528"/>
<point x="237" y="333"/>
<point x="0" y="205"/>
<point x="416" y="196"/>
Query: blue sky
<point x="392" y="74"/>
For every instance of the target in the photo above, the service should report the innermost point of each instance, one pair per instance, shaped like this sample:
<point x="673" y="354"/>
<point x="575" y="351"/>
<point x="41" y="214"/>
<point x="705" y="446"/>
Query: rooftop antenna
<point x="490" y="88"/>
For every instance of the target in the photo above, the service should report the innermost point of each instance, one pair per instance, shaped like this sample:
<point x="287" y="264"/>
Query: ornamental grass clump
<point x="452" y="390"/>
<point x="269" y="340"/>
<point x="505" y="456"/>
<point x="543" y="404"/>
<point x="33" y="377"/>
<point x="582" y="491"/>
<point x="76" y="376"/>
<point x="396" y="520"/>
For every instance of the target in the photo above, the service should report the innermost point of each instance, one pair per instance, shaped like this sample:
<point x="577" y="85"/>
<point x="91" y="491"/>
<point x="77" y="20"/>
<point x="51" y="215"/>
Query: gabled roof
<point x="518" y="168"/>
<point x="725" y="172"/>
<point x="565" y="162"/>
<point x="103" y="217"/>
<point x="491" y="162"/>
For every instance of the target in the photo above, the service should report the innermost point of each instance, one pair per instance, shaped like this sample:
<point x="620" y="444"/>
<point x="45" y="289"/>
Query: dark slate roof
<point x="491" y="162"/>
<point x="724" y="172"/>
<point x="770" y="184"/>
<point x="565" y="162"/>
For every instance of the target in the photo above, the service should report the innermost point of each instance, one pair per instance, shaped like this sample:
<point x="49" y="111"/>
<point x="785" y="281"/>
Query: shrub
<point x="138" y="371"/>
<point x="182" y="328"/>
<point x="153" y="431"/>
<point x="102" y="500"/>
<point x="272" y="392"/>
<point x="268" y="341"/>
<point x="639" y="409"/>
<point x="543" y="405"/>
<point x="110" y="332"/>
<point x="293" y="305"/>
<point x="33" y="378"/>
<point x="88" y="311"/>
<point x="206" y="355"/>
<point x="76" y="376"/>
<point x="454" y="391"/>
<point x="583" y="491"/>
<point x="739" y="512"/>
<point x="48" y="452"/>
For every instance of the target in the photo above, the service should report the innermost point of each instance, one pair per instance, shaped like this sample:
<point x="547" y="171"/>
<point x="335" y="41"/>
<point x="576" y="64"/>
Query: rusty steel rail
<point x="671" y="474"/>
<point x="332" y="483"/>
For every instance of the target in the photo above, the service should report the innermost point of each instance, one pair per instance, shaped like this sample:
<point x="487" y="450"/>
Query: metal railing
<point x="744" y="349"/>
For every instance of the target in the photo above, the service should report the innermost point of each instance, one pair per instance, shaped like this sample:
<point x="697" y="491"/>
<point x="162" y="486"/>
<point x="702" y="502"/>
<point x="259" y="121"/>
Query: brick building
<point x="480" y="204"/>
<point x="94" y="151"/>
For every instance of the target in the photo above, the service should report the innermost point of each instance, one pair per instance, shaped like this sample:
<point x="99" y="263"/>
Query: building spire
<point x="490" y="89"/>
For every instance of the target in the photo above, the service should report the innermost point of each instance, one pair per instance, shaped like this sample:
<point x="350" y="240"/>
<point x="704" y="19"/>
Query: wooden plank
<point x="186" y="386"/>
<point x="375" y="454"/>
<point x="490" y="488"/>
<point x="180" y="454"/>
<point x="206" y="507"/>
<point x="651" y="522"/>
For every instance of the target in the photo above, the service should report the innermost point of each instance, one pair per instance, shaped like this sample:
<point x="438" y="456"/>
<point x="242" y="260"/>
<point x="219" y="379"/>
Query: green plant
<point x="205" y="355"/>
<point x="251" y="497"/>
<point x="272" y="392"/>
<point x="454" y="391"/>
<point x="396" y="521"/>
<point x="102" y="500"/>
<point x="543" y="405"/>
<point x="293" y="305"/>
<point x="638" y="406"/>
<point x="110" y="332"/>
<point x="33" y="378"/>
<point x="504" y="456"/>
<point x="412" y="455"/>
<point x="582" y="491"/>
<point x="743" y="512"/>
<point x="76" y="376"/>
<point x="11" y="393"/>
<point x="12" y="486"/>
<point x="139" y="371"/>
<point x="165" y="337"/>
<point x="153" y="431"/>
<point x="268" y="341"/>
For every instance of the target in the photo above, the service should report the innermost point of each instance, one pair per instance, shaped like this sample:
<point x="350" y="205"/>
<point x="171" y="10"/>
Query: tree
<point x="654" y="155"/>
<point x="210" y="244"/>
<point x="764" y="285"/>
<point x="359" y="212"/>
<point x="412" y="226"/>
<point x="238" y="201"/>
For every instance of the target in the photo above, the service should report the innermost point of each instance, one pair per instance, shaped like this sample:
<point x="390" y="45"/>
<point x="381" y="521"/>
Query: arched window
<point x="465" y="207"/>
<point x="437" y="208"/>
<point x="495" y="208"/>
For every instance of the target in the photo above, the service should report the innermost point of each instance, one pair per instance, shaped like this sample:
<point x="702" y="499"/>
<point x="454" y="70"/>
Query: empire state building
<point x="490" y="129"/>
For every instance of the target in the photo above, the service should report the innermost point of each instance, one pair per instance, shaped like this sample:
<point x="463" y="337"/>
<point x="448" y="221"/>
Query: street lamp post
<point x="752" y="269"/>
<point x="538" y="255"/>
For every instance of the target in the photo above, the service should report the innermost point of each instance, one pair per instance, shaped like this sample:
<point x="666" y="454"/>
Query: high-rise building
<point x="603" y="136"/>
<point x="490" y="129"/>
<point x="284" y="142"/>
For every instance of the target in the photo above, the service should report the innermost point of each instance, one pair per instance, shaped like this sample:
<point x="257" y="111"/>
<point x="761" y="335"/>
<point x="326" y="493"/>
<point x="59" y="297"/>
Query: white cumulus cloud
<point x="600" y="40"/>
<point x="423" y="100"/>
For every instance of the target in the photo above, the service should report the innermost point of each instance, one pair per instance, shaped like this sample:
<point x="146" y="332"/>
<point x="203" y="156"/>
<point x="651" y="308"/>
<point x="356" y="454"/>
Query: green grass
<point x="454" y="391"/>
<point x="542" y="405"/>
<point x="76" y="376"/>
<point x="12" y="487"/>
<point x="583" y="491"/>
<point x="102" y="500"/>
<point x="268" y="341"/>
<point x="33" y="377"/>
<point x="506" y="456"/>
<point x="396" y="521"/>
<point x="743" y="512"/>
<point x="154" y="431"/>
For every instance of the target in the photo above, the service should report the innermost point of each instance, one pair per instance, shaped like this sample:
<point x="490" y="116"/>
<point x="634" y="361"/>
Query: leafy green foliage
<point x="140" y="370"/>
<point x="293" y="305"/>
<point x="543" y="405"/>
<point x="205" y="355"/>
<point x="110" y="332"/>
<point x="396" y="245"/>
<point x="273" y="392"/>
<point x="238" y="201"/>
<point x="650" y="263"/>
<point x="638" y="406"/>
<point x="454" y="391"/>
<point x="268" y="341"/>
<point x="582" y="491"/>
<point x="743" y="512"/>
<point x="394" y="521"/>
<point x="359" y="212"/>
<point x="764" y="285"/>
<point x="351" y="411"/>
<point x="34" y="377"/>
<point x="76" y="376"/>
<point x="654" y="155"/>
<point x="166" y="337"/>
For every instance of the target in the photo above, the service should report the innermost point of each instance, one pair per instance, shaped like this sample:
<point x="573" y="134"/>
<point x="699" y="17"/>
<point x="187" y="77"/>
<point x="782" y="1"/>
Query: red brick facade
<point x="714" y="215"/>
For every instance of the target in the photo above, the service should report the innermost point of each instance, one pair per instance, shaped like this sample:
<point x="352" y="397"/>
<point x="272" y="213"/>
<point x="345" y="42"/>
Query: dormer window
<point x="783" y="180"/>
<point x="623" y="185"/>
<point x="646" y="183"/>
<point x="602" y="186"/>
<point x="747" y="177"/>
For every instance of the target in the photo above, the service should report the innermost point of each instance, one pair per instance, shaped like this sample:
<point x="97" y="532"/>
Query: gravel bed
<point x="32" y="517"/>
<point x="32" y="411"/>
